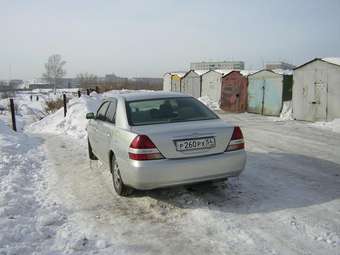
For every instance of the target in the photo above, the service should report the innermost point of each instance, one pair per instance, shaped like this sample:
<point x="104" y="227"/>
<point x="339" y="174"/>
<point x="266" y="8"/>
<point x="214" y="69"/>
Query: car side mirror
<point x="90" y="116"/>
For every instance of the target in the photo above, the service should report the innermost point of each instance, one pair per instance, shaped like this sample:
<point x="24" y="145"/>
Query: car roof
<point x="133" y="96"/>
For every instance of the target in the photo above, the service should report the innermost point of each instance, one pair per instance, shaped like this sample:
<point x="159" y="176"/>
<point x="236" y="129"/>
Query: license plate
<point x="195" y="144"/>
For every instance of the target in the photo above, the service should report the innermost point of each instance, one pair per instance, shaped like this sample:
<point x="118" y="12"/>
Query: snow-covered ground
<point x="27" y="111"/>
<point x="333" y="125"/>
<point x="210" y="103"/>
<point x="28" y="222"/>
<point x="55" y="201"/>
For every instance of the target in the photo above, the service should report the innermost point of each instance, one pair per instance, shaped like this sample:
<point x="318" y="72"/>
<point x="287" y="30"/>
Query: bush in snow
<point x="54" y="105"/>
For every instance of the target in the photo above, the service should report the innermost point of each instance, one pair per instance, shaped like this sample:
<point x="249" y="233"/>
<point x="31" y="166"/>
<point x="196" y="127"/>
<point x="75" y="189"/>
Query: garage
<point x="267" y="90"/>
<point x="316" y="92"/>
<point x="234" y="92"/>
<point x="191" y="82"/>
<point x="212" y="84"/>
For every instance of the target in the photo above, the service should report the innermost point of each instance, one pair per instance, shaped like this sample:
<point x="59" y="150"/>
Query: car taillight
<point x="236" y="141"/>
<point x="142" y="148"/>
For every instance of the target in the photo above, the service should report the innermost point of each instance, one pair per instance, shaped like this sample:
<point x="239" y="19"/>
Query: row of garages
<point x="314" y="88"/>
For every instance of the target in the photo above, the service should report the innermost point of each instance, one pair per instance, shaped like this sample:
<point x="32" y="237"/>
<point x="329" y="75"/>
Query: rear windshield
<point x="167" y="110"/>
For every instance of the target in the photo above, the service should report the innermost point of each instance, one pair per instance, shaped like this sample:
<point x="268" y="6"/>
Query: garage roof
<point x="335" y="61"/>
<point x="332" y="60"/>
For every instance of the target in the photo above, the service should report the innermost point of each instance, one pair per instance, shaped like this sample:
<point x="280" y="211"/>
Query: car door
<point x="92" y="129"/>
<point x="108" y="131"/>
<point x="98" y="126"/>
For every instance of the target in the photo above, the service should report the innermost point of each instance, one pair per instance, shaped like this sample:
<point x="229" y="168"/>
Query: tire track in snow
<point x="284" y="203"/>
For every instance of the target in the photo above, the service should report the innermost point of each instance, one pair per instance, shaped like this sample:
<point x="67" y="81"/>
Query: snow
<point x="210" y="103"/>
<point x="58" y="91"/>
<point x="332" y="60"/>
<point x="201" y="72"/>
<point x="283" y="72"/>
<point x="287" y="111"/>
<point x="248" y="72"/>
<point x="333" y="125"/>
<point x="74" y="124"/>
<point x="179" y="74"/>
<point x="27" y="111"/>
<point x="223" y="71"/>
<point x="54" y="200"/>
<point x="286" y="201"/>
<point x="26" y="223"/>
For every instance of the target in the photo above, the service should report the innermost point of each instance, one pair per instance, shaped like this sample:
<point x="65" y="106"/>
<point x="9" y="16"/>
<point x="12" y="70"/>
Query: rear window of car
<point x="167" y="110"/>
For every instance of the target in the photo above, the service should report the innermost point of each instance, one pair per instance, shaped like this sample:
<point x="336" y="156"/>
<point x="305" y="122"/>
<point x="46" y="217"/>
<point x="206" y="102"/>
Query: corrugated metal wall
<point x="191" y="84"/>
<point x="176" y="83"/>
<point x="211" y="85"/>
<point x="234" y="93"/>
<point x="167" y="82"/>
<point x="316" y="92"/>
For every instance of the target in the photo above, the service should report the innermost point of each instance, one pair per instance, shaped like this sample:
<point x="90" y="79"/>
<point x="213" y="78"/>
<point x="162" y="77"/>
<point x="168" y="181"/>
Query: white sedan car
<point x="159" y="139"/>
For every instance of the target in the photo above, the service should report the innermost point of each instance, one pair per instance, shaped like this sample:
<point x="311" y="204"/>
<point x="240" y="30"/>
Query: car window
<point x="167" y="110"/>
<point x="111" y="112"/>
<point x="102" y="111"/>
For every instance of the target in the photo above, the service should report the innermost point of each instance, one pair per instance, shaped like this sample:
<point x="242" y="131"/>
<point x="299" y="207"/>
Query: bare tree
<point x="54" y="70"/>
<point x="87" y="80"/>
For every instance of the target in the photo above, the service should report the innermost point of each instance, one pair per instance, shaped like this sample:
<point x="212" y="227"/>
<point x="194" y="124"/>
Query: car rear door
<point x="107" y="131"/>
<point x="98" y="135"/>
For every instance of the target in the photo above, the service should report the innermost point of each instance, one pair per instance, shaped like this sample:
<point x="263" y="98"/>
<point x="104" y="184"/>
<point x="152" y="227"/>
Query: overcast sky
<point x="148" y="38"/>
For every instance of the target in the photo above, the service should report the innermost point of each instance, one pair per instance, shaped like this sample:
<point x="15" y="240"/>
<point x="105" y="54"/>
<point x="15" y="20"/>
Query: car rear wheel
<point x="120" y="188"/>
<point x="91" y="154"/>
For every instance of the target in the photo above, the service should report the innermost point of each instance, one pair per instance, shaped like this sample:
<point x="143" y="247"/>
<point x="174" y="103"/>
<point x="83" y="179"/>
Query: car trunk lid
<point x="169" y="137"/>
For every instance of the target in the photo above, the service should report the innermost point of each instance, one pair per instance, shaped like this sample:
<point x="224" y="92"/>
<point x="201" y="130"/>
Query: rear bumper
<point x="153" y="174"/>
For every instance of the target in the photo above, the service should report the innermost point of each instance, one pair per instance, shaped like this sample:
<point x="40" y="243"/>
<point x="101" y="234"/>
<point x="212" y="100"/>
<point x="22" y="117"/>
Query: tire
<point x="120" y="188"/>
<point x="91" y="154"/>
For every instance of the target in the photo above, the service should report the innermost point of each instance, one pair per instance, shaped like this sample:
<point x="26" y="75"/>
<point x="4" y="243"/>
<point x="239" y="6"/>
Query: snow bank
<point x="25" y="223"/>
<point x="74" y="123"/>
<point x="331" y="125"/>
<point x="27" y="111"/>
<point x="287" y="111"/>
<point x="210" y="103"/>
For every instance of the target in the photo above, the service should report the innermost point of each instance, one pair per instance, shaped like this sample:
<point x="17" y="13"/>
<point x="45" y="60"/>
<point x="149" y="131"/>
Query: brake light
<point x="236" y="141"/>
<point x="142" y="148"/>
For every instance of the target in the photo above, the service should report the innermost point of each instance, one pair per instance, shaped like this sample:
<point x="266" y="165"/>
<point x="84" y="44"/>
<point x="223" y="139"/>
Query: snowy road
<point x="286" y="202"/>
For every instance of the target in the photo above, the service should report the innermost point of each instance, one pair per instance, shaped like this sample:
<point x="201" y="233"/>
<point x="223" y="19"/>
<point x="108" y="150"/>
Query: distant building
<point x="146" y="83"/>
<point x="62" y="83"/>
<point x="4" y="83"/>
<point x="16" y="84"/>
<point x="235" y="65"/>
<point x="147" y="80"/>
<point x="39" y="85"/>
<point x="115" y="79"/>
<point x="279" y="65"/>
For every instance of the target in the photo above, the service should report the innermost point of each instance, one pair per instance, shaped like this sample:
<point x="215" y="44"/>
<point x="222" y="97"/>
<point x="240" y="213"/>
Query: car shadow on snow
<point x="270" y="182"/>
